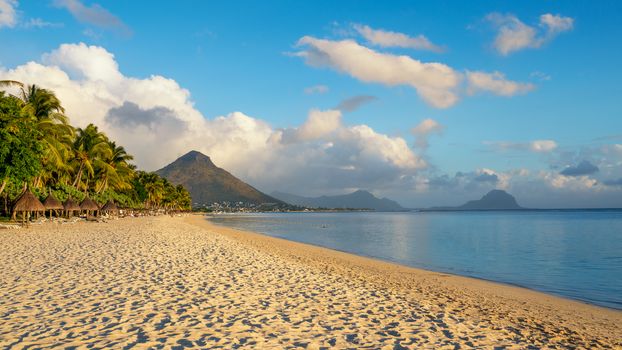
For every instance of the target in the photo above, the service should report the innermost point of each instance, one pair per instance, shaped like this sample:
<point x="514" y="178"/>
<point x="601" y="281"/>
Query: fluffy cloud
<point x="423" y="130"/>
<point x="537" y="146"/>
<point x="94" y="15"/>
<point x="581" y="169"/>
<point x="514" y="35"/>
<point x="384" y="38"/>
<point x="435" y="82"/>
<point x="438" y="84"/>
<point x="319" y="124"/>
<point x="155" y="119"/>
<point x="8" y="15"/>
<point x="316" y="89"/>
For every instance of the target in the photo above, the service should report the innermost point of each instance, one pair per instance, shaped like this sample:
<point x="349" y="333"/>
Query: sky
<point x="428" y="103"/>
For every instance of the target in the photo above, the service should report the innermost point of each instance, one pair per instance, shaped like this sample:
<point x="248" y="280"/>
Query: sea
<point x="575" y="254"/>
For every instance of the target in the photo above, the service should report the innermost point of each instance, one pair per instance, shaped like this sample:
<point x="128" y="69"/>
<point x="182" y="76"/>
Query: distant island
<point x="493" y="200"/>
<point x="356" y="200"/>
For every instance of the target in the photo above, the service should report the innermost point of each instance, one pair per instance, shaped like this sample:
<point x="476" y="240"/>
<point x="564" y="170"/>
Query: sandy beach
<point x="182" y="282"/>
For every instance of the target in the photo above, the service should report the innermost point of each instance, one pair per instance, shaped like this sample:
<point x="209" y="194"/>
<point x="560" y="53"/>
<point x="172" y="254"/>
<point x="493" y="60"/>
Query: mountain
<point x="493" y="200"/>
<point x="208" y="183"/>
<point x="355" y="200"/>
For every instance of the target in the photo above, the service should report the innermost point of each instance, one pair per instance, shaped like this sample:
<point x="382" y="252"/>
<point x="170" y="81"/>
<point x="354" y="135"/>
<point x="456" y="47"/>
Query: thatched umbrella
<point x="110" y="208"/>
<point x="70" y="206"/>
<point x="51" y="203"/>
<point x="27" y="203"/>
<point x="89" y="206"/>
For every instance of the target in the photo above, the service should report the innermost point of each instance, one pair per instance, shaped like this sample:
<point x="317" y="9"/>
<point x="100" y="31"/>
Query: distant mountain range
<point x="356" y="200"/>
<point x="493" y="200"/>
<point x="208" y="183"/>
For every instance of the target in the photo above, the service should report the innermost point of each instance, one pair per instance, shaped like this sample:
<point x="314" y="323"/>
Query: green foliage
<point x="19" y="145"/>
<point x="63" y="192"/>
<point x="39" y="148"/>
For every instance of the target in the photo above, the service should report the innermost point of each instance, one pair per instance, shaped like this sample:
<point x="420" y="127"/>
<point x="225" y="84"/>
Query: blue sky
<point x="560" y="105"/>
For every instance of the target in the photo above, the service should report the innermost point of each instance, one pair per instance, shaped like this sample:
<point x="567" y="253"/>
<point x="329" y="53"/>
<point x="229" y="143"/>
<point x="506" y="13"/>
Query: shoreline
<point x="421" y="269"/>
<point x="366" y="261"/>
<point x="163" y="282"/>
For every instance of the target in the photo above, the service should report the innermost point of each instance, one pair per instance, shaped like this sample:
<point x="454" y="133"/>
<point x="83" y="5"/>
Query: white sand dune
<point x="182" y="282"/>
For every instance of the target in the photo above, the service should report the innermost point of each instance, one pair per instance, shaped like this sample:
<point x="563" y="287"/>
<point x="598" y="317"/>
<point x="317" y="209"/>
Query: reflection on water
<point x="577" y="254"/>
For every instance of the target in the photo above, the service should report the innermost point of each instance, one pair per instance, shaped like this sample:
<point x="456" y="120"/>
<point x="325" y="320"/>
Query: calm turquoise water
<point x="575" y="254"/>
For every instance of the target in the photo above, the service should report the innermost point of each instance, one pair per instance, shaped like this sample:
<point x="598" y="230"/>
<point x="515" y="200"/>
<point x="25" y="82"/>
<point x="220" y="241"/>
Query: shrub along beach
<point x="43" y="157"/>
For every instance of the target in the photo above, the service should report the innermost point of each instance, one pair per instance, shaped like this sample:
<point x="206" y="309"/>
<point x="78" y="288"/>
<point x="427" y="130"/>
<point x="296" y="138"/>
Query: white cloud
<point x="496" y="83"/>
<point x="542" y="145"/>
<point x="438" y="84"/>
<point x="156" y="120"/>
<point x="537" y="146"/>
<point x="8" y="14"/>
<point x="316" y="89"/>
<point x="318" y="124"/>
<point x="384" y="38"/>
<point x="435" y="82"/>
<point x="572" y="183"/>
<point x="85" y="63"/>
<point x="514" y="35"/>
<point x="423" y="130"/>
<point x="556" y="23"/>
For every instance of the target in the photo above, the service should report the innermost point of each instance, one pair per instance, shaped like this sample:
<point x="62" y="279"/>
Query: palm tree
<point x="154" y="185"/>
<point x="56" y="133"/>
<point x="89" y="147"/>
<point x="115" y="170"/>
<point x="38" y="144"/>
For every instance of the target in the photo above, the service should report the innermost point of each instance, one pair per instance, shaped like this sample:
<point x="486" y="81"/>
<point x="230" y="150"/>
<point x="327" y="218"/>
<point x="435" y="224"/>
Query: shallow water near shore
<point x="574" y="254"/>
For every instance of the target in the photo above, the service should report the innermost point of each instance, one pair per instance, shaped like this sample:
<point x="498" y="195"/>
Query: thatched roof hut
<point x="110" y="207"/>
<point x="89" y="204"/>
<point x="71" y="205"/>
<point x="51" y="203"/>
<point x="27" y="202"/>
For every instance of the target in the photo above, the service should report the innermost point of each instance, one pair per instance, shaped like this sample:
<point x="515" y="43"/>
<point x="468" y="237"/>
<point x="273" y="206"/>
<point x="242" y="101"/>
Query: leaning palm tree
<point x="115" y="170"/>
<point x="89" y="147"/>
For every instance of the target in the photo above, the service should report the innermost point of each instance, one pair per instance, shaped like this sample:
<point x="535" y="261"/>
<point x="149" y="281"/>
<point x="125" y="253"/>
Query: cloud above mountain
<point x="155" y="118"/>
<point x="423" y="130"/>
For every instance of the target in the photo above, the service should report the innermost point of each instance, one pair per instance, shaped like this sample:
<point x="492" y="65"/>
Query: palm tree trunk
<point x="3" y="185"/>
<point x="102" y="185"/>
<point x="79" y="176"/>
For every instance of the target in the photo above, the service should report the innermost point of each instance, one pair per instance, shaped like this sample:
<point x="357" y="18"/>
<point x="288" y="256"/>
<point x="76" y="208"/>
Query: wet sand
<point x="182" y="282"/>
